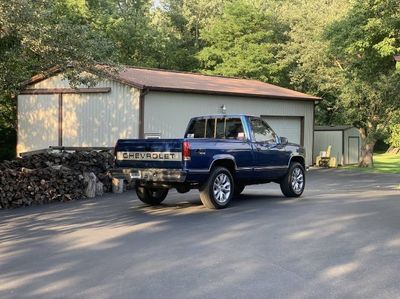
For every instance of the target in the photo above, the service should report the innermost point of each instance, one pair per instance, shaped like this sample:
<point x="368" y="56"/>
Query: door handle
<point x="261" y="148"/>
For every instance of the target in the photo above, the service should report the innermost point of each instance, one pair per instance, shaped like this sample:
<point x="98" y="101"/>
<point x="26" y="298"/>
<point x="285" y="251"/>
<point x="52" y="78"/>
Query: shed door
<point x="354" y="145"/>
<point x="286" y="126"/>
<point x="38" y="121"/>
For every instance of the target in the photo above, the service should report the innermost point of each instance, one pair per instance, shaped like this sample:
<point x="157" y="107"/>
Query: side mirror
<point x="283" y="140"/>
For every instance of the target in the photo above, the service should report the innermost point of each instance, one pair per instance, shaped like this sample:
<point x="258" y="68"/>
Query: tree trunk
<point x="367" y="149"/>
<point x="393" y="150"/>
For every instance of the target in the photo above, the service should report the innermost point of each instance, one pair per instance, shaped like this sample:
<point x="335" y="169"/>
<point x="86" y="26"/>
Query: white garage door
<point x="289" y="127"/>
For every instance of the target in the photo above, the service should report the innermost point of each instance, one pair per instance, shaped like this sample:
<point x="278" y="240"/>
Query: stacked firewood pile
<point x="54" y="176"/>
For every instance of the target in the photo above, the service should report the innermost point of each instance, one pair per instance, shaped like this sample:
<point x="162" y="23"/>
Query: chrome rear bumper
<point x="149" y="174"/>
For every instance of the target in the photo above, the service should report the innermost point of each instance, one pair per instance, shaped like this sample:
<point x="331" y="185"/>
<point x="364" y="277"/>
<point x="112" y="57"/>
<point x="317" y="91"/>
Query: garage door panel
<point x="289" y="127"/>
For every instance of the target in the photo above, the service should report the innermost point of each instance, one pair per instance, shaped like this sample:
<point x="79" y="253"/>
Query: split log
<point x="117" y="185"/>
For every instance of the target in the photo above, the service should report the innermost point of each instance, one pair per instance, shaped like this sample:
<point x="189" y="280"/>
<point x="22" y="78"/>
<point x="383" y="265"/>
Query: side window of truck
<point x="210" y="127"/>
<point x="234" y="128"/>
<point x="261" y="131"/>
<point x="220" y="129"/>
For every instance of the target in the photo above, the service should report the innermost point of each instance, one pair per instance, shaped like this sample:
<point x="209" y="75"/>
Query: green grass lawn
<point x="383" y="163"/>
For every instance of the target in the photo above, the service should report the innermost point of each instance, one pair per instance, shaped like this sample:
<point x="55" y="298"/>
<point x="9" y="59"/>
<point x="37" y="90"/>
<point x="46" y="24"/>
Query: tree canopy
<point x="244" y="42"/>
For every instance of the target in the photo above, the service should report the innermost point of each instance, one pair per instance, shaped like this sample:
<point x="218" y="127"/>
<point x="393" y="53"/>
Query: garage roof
<point x="162" y="80"/>
<point x="173" y="81"/>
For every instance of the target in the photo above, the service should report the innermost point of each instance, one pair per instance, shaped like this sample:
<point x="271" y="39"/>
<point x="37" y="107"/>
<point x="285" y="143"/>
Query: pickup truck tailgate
<point x="149" y="153"/>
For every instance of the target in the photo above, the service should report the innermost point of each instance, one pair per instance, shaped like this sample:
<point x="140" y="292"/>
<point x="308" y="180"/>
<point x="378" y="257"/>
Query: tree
<point x="310" y="67"/>
<point x="244" y="42"/>
<point x="393" y="138"/>
<point x="364" y="42"/>
<point x="128" y="25"/>
<point x="177" y="42"/>
<point x="179" y="23"/>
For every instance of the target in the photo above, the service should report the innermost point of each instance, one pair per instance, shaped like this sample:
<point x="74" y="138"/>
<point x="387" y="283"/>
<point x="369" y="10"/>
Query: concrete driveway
<point x="342" y="240"/>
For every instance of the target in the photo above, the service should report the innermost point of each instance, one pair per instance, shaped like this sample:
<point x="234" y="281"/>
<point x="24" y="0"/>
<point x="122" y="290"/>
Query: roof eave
<point x="56" y="70"/>
<point x="42" y="76"/>
<point x="212" y="92"/>
<point x="127" y="82"/>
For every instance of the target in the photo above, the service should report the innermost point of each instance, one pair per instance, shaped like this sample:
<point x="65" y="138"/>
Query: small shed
<point x="345" y="142"/>
<point x="138" y="103"/>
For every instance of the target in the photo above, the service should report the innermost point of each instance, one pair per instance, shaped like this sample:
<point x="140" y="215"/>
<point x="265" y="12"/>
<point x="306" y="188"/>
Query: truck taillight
<point x="114" y="150"/>
<point x="186" y="150"/>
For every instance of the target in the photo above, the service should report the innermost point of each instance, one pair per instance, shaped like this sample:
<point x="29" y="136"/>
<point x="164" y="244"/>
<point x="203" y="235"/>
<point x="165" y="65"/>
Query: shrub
<point x="8" y="142"/>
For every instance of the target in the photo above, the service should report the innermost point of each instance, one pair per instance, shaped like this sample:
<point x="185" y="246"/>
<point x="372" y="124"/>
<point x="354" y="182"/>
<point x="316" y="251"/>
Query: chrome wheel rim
<point x="222" y="188"/>
<point x="297" y="180"/>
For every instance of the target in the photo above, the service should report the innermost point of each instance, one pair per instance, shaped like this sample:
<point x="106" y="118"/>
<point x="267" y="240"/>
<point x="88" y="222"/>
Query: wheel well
<point x="227" y="163"/>
<point x="298" y="159"/>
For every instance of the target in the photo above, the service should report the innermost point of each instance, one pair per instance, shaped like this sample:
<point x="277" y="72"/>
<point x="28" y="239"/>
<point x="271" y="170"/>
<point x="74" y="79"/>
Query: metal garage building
<point x="345" y="142"/>
<point x="139" y="102"/>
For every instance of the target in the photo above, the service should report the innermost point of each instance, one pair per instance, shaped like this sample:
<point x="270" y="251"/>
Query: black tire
<point x="151" y="196"/>
<point x="290" y="188"/>
<point x="208" y="193"/>
<point x="238" y="189"/>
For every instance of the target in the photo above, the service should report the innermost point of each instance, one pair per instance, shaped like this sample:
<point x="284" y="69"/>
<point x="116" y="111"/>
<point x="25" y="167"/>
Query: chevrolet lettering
<point x="219" y="155"/>
<point x="150" y="156"/>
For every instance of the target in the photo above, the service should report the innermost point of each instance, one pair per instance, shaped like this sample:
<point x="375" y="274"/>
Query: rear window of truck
<point x="196" y="129"/>
<point x="217" y="128"/>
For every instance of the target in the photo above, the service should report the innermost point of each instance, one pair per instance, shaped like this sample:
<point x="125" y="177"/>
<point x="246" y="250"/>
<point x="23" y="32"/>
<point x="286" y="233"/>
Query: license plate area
<point x="135" y="175"/>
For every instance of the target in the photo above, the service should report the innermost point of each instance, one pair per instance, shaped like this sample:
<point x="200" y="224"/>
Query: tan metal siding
<point x="325" y="138"/>
<point x="168" y="113"/>
<point x="97" y="119"/>
<point x="37" y="122"/>
<point x="58" y="81"/>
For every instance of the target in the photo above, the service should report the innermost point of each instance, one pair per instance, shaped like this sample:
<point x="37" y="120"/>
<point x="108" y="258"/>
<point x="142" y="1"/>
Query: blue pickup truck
<point x="219" y="155"/>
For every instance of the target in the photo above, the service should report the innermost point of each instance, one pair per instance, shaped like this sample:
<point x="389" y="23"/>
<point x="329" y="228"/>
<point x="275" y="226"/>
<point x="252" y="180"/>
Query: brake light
<point x="114" y="150"/>
<point x="186" y="150"/>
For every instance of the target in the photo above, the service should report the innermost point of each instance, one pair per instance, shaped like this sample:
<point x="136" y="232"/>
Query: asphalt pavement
<point x="340" y="240"/>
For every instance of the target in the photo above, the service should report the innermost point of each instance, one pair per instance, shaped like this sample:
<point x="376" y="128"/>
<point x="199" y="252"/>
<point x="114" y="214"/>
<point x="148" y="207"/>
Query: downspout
<point x="313" y="133"/>
<point x="142" y="94"/>
<point x="60" y="119"/>
<point x="17" y="129"/>
<point x="344" y="160"/>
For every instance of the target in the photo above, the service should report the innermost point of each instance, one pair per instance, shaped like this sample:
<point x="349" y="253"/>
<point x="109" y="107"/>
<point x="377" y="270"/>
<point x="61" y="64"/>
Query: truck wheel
<point x="293" y="183"/>
<point x="151" y="196"/>
<point x="217" y="192"/>
<point x="238" y="189"/>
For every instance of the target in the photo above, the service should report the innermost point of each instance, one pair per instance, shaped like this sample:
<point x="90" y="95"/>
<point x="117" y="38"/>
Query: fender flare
<point x="223" y="157"/>
<point x="293" y="156"/>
